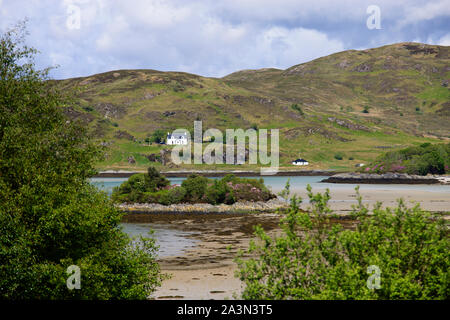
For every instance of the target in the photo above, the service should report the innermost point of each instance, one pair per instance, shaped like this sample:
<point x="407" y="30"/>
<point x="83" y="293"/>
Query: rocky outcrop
<point x="201" y="208"/>
<point x="384" y="178"/>
<point x="120" y="134"/>
<point x="348" y="124"/>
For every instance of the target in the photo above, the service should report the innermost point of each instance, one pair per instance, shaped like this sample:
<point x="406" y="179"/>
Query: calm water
<point x="298" y="183"/>
<point x="171" y="242"/>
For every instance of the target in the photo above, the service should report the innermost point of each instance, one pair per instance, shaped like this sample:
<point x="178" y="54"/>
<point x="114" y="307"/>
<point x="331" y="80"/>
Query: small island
<point x="152" y="192"/>
<point x="423" y="164"/>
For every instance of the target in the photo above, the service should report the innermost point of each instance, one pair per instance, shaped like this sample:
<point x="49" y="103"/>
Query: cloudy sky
<point x="214" y="37"/>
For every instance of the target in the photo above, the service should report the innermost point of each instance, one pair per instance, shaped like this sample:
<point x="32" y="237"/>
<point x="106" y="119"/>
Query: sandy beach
<point x="206" y="271"/>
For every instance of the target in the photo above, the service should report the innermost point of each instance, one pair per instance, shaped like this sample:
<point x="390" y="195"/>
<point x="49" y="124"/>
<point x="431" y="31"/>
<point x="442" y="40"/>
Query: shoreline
<point x="386" y="178"/>
<point x="206" y="271"/>
<point x="215" y="173"/>
<point x="241" y="207"/>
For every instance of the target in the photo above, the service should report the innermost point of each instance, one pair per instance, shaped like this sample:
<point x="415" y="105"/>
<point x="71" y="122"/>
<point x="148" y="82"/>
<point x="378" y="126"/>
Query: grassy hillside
<point x="352" y="105"/>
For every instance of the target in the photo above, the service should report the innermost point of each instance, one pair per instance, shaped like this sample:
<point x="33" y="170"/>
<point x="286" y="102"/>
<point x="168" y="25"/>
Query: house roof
<point x="177" y="136"/>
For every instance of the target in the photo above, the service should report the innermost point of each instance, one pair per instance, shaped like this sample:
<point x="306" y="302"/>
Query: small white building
<point x="300" y="162"/>
<point x="177" y="139"/>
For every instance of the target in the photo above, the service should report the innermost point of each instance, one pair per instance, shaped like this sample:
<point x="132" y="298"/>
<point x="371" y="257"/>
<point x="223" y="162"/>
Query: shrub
<point x="195" y="187"/>
<point x="138" y="187"/>
<point x="297" y="108"/>
<point x="173" y="196"/>
<point x="423" y="159"/>
<point x="317" y="259"/>
<point x="218" y="192"/>
<point x="339" y="156"/>
<point x="158" y="136"/>
<point x="50" y="215"/>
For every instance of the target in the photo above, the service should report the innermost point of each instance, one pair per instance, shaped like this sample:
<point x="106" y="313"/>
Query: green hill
<point x="352" y="105"/>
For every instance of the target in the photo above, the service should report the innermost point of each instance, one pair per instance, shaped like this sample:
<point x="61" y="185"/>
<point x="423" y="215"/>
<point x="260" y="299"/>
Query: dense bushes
<point x="423" y="159"/>
<point x="50" y="215"/>
<point x="317" y="258"/>
<point x="141" y="188"/>
<point x="195" y="187"/>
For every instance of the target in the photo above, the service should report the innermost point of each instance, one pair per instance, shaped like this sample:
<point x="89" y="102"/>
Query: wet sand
<point x="342" y="199"/>
<point x="207" y="270"/>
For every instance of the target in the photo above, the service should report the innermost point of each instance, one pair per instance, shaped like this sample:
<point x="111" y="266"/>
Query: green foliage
<point x="317" y="258"/>
<point x="173" y="196"/>
<point x="297" y="108"/>
<point x="195" y="187"/>
<point x="339" y="156"/>
<point x="219" y="192"/>
<point x="423" y="159"/>
<point x="154" y="188"/>
<point x="366" y="109"/>
<point x="139" y="187"/>
<point x="50" y="216"/>
<point x="158" y="136"/>
<point x="286" y="191"/>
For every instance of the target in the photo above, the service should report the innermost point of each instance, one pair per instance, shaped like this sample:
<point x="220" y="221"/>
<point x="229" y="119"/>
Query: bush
<point x="339" y="156"/>
<point x="219" y="192"/>
<point x="50" y="215"/>
<point x="297" y="108"/>
<point x="158" y="136"/>
<point x="173" y="196"/>
<point x="195" y="187"/>
<point x="316" y="258"/>
<point x="423" y="159"/>
<point x="138" y="187"/>
<point x="154" y="188"/>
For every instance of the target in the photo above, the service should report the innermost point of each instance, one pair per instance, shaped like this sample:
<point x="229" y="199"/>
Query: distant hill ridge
<point x="389" y="96"/>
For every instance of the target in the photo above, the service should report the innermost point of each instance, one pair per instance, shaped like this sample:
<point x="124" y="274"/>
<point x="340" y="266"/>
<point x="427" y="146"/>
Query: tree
<point x="50" y="215"/>
<point x="157" y="136"/>
<point x="317" y="258"/>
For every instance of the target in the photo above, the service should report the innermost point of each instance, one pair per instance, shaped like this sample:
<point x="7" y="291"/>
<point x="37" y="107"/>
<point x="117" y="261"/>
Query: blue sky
<point x="213" y="37"/>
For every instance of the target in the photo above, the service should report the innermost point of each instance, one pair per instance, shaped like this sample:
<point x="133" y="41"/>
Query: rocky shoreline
<point x="386" y="178"/>
<point x="201" y="208"/>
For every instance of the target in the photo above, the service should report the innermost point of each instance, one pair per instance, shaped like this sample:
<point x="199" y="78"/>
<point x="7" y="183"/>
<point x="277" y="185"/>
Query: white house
<point x="177" y="139"/>
<point x="300" y="162"/>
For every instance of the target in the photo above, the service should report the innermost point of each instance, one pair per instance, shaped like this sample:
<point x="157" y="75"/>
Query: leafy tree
<point x="157" y="136"/>
<point x="139" y="186"/>
<point x="50" y="215"/>
<point x="317" y="258"/>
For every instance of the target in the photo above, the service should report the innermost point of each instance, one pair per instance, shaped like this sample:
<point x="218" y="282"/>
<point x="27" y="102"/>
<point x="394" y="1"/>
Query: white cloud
<point x="427" y="11"/>
<point x="211" y="37"/>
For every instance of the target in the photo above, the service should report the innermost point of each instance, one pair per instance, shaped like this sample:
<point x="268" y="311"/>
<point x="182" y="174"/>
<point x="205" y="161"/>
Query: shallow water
<point x="298" y="184"/>
<point x="171" y="242"/>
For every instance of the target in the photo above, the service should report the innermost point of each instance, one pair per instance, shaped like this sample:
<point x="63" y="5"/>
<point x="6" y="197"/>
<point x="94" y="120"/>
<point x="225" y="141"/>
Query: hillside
<point x="351" y="105"/>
